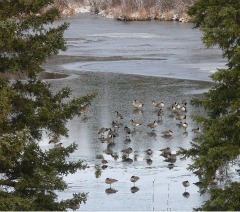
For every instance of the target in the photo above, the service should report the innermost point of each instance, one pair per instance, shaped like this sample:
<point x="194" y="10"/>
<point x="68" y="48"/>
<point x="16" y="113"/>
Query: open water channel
<point x="124" y="61"/>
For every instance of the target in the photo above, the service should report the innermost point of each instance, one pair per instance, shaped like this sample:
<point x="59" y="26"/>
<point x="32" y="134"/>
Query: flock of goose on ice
<point x="107" y="135"/>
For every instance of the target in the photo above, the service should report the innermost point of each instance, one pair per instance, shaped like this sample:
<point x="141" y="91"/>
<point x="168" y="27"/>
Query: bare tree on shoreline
<point x="133" y="10"/>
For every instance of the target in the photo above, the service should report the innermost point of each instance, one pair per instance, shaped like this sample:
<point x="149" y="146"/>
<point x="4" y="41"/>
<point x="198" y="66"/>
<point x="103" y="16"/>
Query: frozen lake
<point x="161" y="61"/>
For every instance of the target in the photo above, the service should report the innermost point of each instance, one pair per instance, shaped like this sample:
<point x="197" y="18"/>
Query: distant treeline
<point x="130" y="10"/>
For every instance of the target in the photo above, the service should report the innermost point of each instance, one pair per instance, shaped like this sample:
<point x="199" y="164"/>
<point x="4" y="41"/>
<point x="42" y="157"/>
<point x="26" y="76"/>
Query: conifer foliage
<point x="217" y="149"/>
<point x="29" y="175"/>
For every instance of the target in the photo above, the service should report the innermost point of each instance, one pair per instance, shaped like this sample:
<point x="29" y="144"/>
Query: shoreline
<point x="52" y="75"/>
<point x="174" y="82"/>
<point x="125" y="12"/>
<point x="54" y="67"/>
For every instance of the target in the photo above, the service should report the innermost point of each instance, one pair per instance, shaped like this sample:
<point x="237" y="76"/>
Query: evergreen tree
<point x="29" y="175"/>
<point x="218" y="147"/>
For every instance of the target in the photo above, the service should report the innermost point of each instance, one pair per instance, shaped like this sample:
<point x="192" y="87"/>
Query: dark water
<point x="110" y="58"/>
<point x="169" y="49"/>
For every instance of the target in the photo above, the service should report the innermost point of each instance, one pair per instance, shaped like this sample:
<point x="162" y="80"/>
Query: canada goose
<point x="160" y="113"/>
<point x="186" y="184"/>
<point x="199" y="172"/>
<point x="196" y="130"/>
<point x="107" y="139"/>
<point x="199" y="183"/>
<point x="149" y="151"/>
<point x="185" y="125"/>
<point x="214" y="181"/>
<point x="172" y="109"/>
<point x="134" y="179"/>
<point x="85" y="109"/>
<point x="104" y="161"/>
<point x="115" y="125"/>
<point x="118" y="115"/>
<point x="135" y="123"/>
<point x="165" y="152"/>
<point x="111" y="132"/>
<point x="184" y="102"/>
<point x="110" y="181"/>
<point x="171" y="158"/>
<point x="54" y="140"/>
<point x="127" y="130"/>
<point x="137" y="103"/>
<point x="158" y="104"/>
<point x="74" y="206"/>
<point x="167" y="133"/>
<point x="178" y="106"/>
<point x="102" y="130"/>
<point x="152" y="125"/>
<point x="183" y="109"/>
<point x="58" y="146"/>
<point x="127" y="150"/>
<point x="181" y="117"/>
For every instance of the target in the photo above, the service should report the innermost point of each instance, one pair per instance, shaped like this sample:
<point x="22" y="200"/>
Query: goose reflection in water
<point x="170" y="165"/>
<point x="137" y="111"/>
<point x="111" y="191"/>
<point x="127" y="140"/>
<point x="149" y="161"/>
<point x="104" y="166"/>
<point x="110" y="146"/>
<point x="152" y="134"/>
<point x="127" y="131"/>
<point x="167" y="134"/>
<point x="109" y="150"/>
<point x="136" y="157"/>
<point x="134" y="189"/>
<point x="127" y="159"/>
<point x="115" y="155"/>
<point x="186" y="194"/>
<point x="185" y="134"/>
<point x="85" y="119"/>
<point x="134" y="132"/>
<point x="74" y="207"/>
